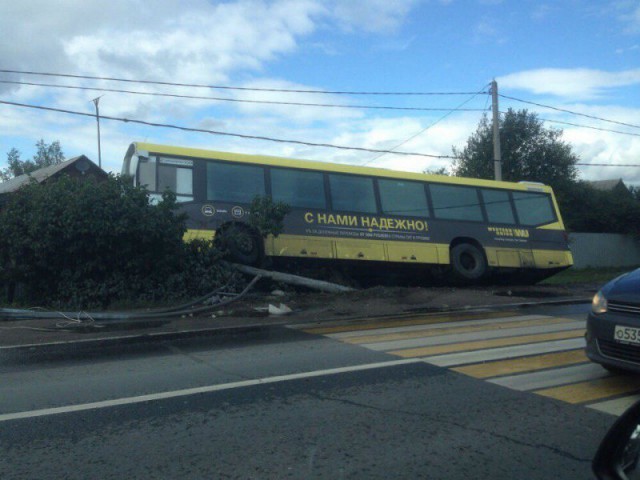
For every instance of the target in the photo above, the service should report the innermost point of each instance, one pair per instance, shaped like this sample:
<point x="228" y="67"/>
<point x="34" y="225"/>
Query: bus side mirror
<point x="618" y="453"/>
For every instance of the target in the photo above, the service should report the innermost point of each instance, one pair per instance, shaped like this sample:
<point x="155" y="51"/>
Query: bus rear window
<point x="234" y="183"/>
<point x="534" y="208"/>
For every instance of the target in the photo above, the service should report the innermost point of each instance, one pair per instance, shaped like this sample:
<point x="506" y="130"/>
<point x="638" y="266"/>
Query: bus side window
<point x="298" y="188"/>
<point x="350" y="193"/>
<point x="399" y="197"/>
<point x="498" y="206"/>
<point x="234" y="183"/>
<point x="453" y="202"/>
<point x="534" y="208"/>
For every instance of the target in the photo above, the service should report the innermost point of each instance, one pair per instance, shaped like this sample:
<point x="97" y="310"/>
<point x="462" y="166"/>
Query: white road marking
<point x="471" y="336"/>
<point x="197" y="390"/>
<point x="501" y="353"/>
<point x="435" y="326"/>
<point x="616" y="406"/>
<point x="552" y="377"/>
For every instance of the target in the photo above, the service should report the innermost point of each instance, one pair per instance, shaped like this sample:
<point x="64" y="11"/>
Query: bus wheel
<point x="468" y="262"/>
<point x="242" y="245"/>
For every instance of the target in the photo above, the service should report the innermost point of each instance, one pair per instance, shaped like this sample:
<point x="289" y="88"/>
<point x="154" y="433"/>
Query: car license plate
<point x="626" y="334"/>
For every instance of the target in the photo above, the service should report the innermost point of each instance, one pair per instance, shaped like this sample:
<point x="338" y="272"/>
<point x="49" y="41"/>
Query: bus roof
<point x="143" y="148"/>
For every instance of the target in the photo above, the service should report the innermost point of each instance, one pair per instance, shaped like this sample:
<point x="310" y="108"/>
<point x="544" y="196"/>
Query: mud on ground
<point x="378" y="301"/>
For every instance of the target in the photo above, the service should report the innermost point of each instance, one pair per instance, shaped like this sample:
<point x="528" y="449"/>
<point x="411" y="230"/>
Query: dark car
<point x="613" y="325"/>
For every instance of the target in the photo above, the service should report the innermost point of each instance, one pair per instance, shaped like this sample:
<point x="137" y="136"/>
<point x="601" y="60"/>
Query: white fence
<point x="604" y="250"/>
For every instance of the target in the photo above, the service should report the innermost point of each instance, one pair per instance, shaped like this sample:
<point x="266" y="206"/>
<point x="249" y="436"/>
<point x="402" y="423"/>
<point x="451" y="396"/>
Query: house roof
<point x="607" y="185"/>
<point x="81" y="163"/>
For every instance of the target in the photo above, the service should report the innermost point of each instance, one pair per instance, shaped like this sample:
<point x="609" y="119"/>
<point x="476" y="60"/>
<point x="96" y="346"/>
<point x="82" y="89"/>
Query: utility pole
<point x="95" y="102"/>
<point x="497" y="155"/>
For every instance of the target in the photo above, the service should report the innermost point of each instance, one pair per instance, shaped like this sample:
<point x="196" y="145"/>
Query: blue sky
<point x="578" y="55"/>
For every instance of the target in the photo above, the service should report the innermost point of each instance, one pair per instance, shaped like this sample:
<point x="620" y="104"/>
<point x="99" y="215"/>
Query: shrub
<point x="80" y="243"/>
<point x="267" y="216"/>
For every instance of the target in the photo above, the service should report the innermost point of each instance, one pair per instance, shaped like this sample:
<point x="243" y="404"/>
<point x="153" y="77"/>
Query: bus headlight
<point x="599" y="303"/>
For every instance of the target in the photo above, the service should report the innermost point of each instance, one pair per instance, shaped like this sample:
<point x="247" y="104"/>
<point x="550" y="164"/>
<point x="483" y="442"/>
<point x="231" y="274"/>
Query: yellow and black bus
<point x="361" y="214"/>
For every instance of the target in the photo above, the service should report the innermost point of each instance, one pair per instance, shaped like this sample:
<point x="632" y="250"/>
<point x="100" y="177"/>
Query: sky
<point x="577" y="55"/>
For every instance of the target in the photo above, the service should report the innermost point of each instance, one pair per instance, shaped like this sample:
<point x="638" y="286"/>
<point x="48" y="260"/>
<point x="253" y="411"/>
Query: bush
<point x="80" y="243"/>
<point x="267" y="216"/>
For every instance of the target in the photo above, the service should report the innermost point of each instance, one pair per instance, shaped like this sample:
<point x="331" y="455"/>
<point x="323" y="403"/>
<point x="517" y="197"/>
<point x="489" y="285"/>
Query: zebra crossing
<point x="541" y="354"/>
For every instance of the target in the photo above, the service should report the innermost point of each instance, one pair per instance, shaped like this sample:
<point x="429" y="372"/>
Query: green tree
<point x="586" y="209"/>
<point x="46" y="155"/>
<point x="529" y="152"/>
<point x="437" y="171"/>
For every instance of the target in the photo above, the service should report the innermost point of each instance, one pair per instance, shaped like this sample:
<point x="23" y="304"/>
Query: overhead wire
<point x="583" y="164"/>
<point x="608" y="164"/>
<point x="216" y="132"/>
<point x="457" y="109"/>
<point x="593" y="117"/>
<point x="589" y="127"/>
<point x="227" y="87"/>
<point x="223" y="99"/>
<point x="282" y="90"/>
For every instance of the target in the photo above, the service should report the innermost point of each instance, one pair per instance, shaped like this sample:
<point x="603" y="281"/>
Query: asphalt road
<point x="276" y="403"/>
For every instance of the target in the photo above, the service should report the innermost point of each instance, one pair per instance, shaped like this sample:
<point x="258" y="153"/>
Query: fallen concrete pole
<point x="294" y="279"/>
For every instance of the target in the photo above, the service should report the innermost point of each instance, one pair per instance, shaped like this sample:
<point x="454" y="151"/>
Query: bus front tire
<point x="468" y="262"/>
<point x="242" y="244"/>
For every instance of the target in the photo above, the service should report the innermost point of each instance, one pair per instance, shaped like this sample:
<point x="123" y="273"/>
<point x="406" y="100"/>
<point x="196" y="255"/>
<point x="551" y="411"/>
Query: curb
<point x="136" y="338"/>
<point x="235" y="329"/>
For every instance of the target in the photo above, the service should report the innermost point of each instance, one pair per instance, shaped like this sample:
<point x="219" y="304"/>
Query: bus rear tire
<point x="242" y="245"/>
<point x="468" y="262"/>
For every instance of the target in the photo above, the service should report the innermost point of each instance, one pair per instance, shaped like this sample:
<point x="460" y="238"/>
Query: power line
<point x="226" y="87"/>
<point x="222" y="99"/>
<point x="609" y="164"/>
<point x="214" y="132"/>
<point x="427" y="128"/>
<point x="591" y="127"/>
<point x="571" y="112"/>
<point x="585" y="126"/>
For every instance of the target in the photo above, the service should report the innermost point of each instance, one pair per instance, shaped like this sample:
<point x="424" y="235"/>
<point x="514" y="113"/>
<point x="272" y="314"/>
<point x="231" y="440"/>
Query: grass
<point x="586" y="275"/>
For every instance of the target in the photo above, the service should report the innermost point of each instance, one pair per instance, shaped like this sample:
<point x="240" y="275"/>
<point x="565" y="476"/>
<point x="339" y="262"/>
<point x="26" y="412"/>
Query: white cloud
<point x="195" y="45"/>
<point x="486" y="30"/>
<point x="295" y="113"/>
<point x="374" y="16"/>
<point x="581" y="83"/>
<point x="542" y="11"/>
<point x="632" y="20"/>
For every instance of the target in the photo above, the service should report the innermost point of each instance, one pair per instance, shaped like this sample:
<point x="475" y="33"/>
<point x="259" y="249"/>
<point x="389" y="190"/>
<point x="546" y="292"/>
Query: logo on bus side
<point x="509" y="232"/>
<point x="208" y="210"/>
<point x="237" y="212"/>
